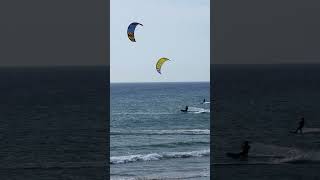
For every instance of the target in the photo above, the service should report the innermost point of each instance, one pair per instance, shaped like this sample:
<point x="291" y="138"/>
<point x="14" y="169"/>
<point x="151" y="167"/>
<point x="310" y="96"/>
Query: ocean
<point x="262" y="104"/>
<point x="53" y="123"/>
<point x="150" y="138"/>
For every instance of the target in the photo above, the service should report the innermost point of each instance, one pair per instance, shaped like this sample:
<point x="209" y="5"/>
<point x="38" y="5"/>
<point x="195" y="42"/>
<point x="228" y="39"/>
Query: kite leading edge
<point x="131" y="29"/>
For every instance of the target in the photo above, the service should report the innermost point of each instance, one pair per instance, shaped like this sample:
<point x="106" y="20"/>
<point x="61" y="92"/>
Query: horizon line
<point x="125" y="82"/>
<point x="108" y="65"/>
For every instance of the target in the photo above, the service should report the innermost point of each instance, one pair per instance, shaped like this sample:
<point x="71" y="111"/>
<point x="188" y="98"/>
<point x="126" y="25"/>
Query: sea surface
<point x="53" y="123"/>
<point x="152" y="139"/>
<point x="262" y="104"/>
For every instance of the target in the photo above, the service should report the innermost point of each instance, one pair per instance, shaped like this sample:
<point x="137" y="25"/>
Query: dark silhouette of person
<point x="187" y="108"/>
<point x="245" y="149"/>
<point x="204" y="100"/>
<point x="301" y="125"/>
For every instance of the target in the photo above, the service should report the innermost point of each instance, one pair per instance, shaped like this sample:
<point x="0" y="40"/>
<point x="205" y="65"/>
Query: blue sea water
<point x="152" y="139"/>
<point x="262" y="104"/>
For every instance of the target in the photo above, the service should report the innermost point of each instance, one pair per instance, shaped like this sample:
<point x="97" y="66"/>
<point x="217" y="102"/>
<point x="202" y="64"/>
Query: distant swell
<point x="141" y="113"/>
<point x="168" y="145"/>
<point x="157" y="156"/>
<point x="164" y="132"/>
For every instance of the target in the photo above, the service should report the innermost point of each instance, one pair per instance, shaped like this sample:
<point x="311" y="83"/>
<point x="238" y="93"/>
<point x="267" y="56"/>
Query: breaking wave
<point x="157" y="156"/>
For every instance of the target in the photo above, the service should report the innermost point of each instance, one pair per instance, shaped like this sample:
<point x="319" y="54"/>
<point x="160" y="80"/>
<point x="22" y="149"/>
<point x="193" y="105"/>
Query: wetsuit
<point x="245" y="150"/>
<point x="301" y="125"/>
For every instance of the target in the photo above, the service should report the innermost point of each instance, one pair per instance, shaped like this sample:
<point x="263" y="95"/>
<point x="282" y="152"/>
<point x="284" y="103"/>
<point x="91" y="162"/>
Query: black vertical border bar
<point x="107" y="57"/>
<point x="213" y="55"/>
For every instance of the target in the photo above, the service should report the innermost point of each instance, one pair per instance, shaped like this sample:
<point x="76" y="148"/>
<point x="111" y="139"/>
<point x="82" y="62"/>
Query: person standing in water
<point x="245" y="149"/>
<point x="301" y="125"/>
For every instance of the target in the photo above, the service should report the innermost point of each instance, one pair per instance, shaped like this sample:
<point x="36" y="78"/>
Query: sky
<point x="176" y="29"/>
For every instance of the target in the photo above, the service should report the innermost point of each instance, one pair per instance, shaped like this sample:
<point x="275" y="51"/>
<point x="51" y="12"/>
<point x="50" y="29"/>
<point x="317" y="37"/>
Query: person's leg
<point x="241" y="154"/>
<point x="299" y="129"/>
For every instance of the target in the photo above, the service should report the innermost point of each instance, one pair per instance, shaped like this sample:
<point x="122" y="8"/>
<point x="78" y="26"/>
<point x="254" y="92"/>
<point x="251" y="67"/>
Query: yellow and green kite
<point x="160" y="63"/>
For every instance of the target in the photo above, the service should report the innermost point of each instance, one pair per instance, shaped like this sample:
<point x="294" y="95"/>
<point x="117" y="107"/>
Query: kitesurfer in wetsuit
<point x="245" y="149"/>
<point x="204" y="100"/>
<point x="186" y="108"/>
<point x="301" y="125"/>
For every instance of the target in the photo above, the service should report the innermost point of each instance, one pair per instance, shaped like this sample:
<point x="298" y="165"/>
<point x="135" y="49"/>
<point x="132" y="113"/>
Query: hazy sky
<point x="176" y="29"/>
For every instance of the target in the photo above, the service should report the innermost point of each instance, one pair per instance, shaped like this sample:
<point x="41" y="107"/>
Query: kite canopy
<point x="160" y="63"/>
<point x="131" y="29"/>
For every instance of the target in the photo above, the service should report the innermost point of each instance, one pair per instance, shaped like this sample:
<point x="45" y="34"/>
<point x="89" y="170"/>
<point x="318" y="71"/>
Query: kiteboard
<point x="294" y="132"/>
<point x="183" y="110"/>
<point x="236" y="156"/>
<point x="233" y="155"/>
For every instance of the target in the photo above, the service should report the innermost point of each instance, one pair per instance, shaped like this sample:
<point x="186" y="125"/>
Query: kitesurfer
<point x="204" y="100"/>
<point x="301" y="125"/>
<point x="245" y="149"/>
<point x="187" y="108"/>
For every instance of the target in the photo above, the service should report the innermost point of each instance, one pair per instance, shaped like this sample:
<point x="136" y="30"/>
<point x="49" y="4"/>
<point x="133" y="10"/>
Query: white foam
<point x="157" y="156"/>
<point x="280" y="154"/>
<point x="304" y="157"/>
<point x="198" y="110"/>
<point x="186" y="175"/>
